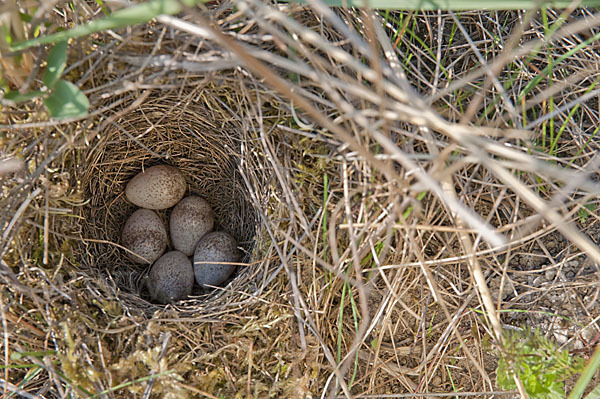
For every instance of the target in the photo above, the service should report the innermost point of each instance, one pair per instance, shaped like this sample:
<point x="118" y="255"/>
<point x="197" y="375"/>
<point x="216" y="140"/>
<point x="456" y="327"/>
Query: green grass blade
<point x="129" y="383"/>
<point x="137" y="14"/>
<point x="595" y="394"/>
<point x="325" y="195"/>
<point x="548" y="69"/>
<point x="340" y="320"/>
<point x="586" y="375"/>
<point x="31" y="374"/>
<point x="454" y="388"/>
<point x="20" y="355"/>
<point x="355" y="317"/>
<point x="19" y="366"/>
<point x="457" y="4"/>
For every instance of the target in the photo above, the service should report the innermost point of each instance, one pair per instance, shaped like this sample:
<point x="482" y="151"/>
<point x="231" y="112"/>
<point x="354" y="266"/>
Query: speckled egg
<point x="158" y="187"/>
<point x="190" y="220"/>
<point x="145" y="234"/>
<point x="171" y="278"/>
<point x="215" y="247"/>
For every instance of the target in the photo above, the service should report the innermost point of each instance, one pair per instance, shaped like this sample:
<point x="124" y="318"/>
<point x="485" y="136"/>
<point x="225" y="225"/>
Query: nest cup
<point x="203" y="140"/>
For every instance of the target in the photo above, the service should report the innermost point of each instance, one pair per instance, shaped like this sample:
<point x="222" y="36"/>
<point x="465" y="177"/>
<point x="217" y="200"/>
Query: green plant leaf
<point x="67" y="101"/>
<point x="137" y="14"/>
<point x="374" y="343"/>
<point x="586" y="376"/>
<point x="584" y="212"/>
<point x="538" y="364"/>
<point x="21" y="98"/>
<point x="57" y="61"/>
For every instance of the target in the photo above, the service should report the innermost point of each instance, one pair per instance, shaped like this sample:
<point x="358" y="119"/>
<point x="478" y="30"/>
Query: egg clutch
<point x="199" y="254"/>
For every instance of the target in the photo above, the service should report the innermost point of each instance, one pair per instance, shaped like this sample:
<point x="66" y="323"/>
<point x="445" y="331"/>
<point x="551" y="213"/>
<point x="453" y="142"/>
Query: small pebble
<point x="550" y="274"/>
<point x="569" y="274"/>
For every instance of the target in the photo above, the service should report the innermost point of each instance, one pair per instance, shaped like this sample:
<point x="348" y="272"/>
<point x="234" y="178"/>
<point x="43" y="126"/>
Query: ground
<point x="367" y="194"/>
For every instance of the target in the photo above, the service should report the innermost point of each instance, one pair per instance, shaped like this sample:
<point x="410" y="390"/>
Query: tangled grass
<point x="405" y="187"/>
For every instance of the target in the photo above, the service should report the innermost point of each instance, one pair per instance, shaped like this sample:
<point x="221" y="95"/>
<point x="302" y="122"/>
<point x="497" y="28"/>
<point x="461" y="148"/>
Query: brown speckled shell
<point x="215" y="247"/>
<point x="158" y="187"/>
<point x="171" y="278"/>
<point x="144" y="234"/>
<point x="190" y="220"/>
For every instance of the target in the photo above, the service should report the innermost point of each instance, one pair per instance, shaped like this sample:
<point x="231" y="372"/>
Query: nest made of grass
<point x="359" y="278"/>
<point x="192" y="131"/>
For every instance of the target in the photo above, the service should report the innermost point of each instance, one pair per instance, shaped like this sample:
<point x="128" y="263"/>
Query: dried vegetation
<point x="402" y="191"/>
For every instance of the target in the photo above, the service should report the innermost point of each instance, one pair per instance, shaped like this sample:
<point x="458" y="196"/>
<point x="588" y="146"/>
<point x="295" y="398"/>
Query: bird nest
<point x="200" y="134"/>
